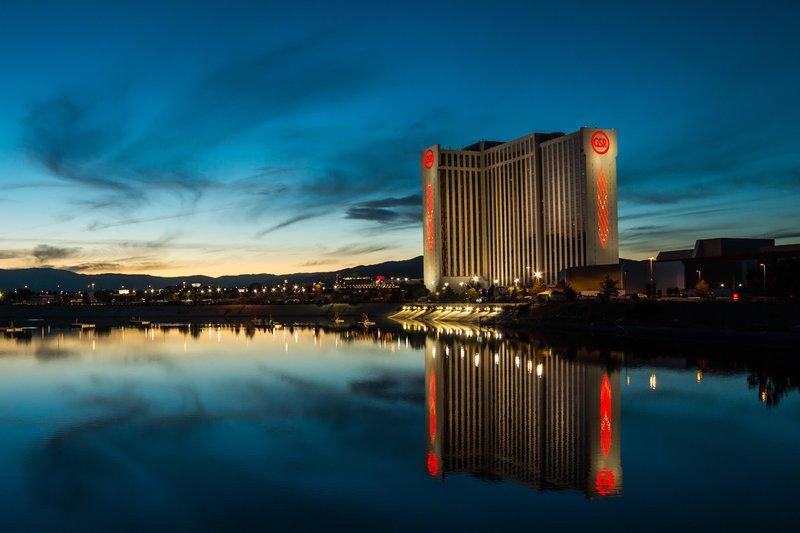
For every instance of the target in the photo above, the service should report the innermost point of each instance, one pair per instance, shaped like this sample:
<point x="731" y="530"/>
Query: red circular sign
<point x="600" y="142"/>
<point x="428" y="158"/>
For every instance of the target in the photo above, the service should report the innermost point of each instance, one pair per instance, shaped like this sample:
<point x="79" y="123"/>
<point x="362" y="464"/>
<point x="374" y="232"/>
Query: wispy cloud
<point x="122" y="264"/>
<point x="357" y="249"/>
<point x="288" y="222"/>
<point x="84" y="142"/>
<point x="316" y="262"/>
<point x="400" y="211"/>
<point x="45" y="252"/>
<point x="11" y="254"/>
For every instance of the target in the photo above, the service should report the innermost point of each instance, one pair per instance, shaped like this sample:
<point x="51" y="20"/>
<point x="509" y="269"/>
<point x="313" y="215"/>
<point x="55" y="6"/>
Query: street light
<point x="651" y="259"/>
<point x="699" y="275"/>
<point x="764" y="268"/>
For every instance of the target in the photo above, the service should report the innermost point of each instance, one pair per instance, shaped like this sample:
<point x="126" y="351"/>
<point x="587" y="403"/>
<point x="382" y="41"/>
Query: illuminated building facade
<point x="506" y="210"/>
<point x="509" y="413"/>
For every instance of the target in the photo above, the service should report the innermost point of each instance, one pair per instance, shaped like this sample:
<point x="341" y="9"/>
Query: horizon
<point x="239" y="274"/>
<point x="171" y="142"/>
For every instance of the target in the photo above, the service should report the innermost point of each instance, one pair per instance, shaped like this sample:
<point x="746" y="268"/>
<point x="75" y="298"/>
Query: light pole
<point x="651" y="259"/>
<point x="764" y="279"/>
<point x="699" y="275"/>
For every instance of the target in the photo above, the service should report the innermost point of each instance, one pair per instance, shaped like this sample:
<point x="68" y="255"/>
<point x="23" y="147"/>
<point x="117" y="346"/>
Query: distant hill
<point x="52" y="278"/>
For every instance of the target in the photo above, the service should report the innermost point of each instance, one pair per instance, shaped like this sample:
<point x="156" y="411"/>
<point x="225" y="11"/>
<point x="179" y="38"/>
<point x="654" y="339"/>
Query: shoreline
<point x="770" y="323"/>
<point x="773" y="324"/>
<point x="117" y="314"/>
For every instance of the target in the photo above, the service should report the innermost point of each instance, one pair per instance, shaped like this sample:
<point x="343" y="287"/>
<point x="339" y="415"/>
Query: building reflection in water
<point x="502" y="411"/>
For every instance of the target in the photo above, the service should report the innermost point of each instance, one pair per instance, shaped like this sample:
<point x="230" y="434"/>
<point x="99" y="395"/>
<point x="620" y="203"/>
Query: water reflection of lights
<point x="653" y="381"/>
<point x="699" y="376"/>
<point x="498" y="421"/>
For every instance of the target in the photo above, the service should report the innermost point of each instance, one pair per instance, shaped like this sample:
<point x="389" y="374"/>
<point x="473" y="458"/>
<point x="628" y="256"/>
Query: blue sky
<point x="193" y="137"/>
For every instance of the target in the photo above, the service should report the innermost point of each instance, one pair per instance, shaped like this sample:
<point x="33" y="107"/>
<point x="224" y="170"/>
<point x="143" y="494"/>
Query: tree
<point x="703" y="290"/>
<point x="512" y="292"/>
<point x="448" y="294"/>
<point x="538" y="286"/>
<point x="609" y="289"/>
<point x="566" y="288"/>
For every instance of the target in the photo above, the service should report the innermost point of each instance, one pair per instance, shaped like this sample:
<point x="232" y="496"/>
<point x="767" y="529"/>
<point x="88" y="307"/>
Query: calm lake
<point x="401" y="427"/>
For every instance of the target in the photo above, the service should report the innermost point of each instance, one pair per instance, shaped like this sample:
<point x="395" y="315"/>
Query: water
<point x="398" y="428"/>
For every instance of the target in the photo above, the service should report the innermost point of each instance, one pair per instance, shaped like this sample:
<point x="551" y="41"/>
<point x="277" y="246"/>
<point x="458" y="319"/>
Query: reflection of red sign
<point x="429" y="216"/>
<point x="432" y="408"/>
<point x="428" y="158"/>
<point x="433" y="464"/>
<point x="606" y="482"/>
<point x="605" y="416"/>
<point x="601" y="203"/>
<point x="600" y="142"/>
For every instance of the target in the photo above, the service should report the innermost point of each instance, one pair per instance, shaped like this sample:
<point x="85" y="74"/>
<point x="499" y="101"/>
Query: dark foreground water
<point x="219" y="427"/>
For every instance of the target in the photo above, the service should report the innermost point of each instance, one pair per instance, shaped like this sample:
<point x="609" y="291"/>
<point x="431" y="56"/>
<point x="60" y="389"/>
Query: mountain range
<point x="53" y="278"/>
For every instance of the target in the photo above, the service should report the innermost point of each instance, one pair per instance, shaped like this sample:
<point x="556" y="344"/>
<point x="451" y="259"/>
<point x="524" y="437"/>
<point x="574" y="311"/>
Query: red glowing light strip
<point x="432" y="407"/>
<point x="429" y="216"/>
<point x="602" y="208"/>
<point x="605" y="416"/>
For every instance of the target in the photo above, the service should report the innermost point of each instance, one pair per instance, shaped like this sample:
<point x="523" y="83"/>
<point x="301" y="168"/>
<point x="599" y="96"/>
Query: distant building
<point x="364" y="283"/>
<point x="499" y="212"/>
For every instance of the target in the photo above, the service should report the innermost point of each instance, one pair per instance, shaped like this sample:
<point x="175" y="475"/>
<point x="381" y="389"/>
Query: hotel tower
<point x="503" y="211"/>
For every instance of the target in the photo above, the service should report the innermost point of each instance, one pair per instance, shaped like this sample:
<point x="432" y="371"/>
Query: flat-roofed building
<point x="499" y="212"/>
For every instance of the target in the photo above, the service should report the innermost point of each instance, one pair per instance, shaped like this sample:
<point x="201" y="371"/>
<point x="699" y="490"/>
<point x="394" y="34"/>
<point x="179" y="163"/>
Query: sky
<point x="178" y="138"/>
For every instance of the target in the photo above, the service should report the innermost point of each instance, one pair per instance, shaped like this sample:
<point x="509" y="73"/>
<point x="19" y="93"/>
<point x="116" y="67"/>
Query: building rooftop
<point x="719" y="247"/>
<point x="674" y="255"/>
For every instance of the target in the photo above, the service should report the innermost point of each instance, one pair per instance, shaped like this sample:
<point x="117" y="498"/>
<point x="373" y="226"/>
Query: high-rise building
<point x="501" y="212"/>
